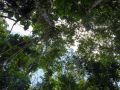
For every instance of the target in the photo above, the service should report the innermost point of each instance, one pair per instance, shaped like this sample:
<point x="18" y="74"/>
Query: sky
<point x="18" y="29"/>
<point x="37" y="77"/>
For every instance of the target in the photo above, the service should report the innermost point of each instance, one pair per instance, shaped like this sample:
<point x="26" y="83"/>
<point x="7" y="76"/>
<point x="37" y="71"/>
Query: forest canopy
<point x="90" y="26"/>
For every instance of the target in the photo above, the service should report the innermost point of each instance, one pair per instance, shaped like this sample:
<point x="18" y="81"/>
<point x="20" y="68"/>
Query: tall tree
<point x="58" y="24"/>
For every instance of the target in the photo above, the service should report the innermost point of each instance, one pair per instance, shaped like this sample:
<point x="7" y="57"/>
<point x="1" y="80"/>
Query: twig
<point x="13" y="26"/>
<point x="7" y="17"/>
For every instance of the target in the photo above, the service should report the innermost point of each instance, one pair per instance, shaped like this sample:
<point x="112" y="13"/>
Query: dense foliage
<point x="91" y="26"/>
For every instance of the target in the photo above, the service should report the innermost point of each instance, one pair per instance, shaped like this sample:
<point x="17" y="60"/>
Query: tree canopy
<point x="90" y="26"/>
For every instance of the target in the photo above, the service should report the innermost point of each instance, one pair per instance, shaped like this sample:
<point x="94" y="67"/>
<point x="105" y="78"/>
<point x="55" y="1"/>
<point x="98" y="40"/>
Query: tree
<point x="16" y="60"/>
<point x="93" y="24"/>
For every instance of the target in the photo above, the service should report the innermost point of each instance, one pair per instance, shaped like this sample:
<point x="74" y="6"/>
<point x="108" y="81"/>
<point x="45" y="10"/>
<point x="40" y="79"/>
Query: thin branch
<point x="18" y="52"/>
<point x="7" y="17"/>
<point x="11" y="48"/>
<point x="13" y="26"/>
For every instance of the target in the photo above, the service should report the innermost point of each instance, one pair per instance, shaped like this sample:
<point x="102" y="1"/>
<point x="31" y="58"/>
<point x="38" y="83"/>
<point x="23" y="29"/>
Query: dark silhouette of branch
<point x="13" y="26"/>
<point x="7" y="17"/>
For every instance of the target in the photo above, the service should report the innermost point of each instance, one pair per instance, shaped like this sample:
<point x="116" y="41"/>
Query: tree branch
<point x="13" y="26"/>
<point x="7" y="17"/>
<point x="96" y="3"/>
